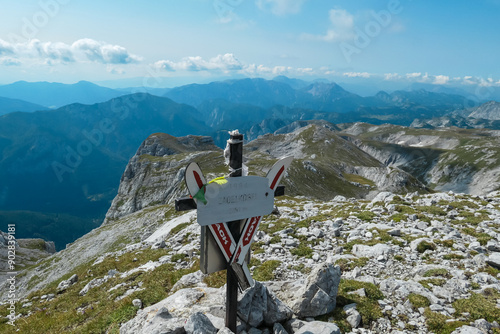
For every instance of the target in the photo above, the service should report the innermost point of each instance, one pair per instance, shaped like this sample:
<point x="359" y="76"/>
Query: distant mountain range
<point x="318" y="96"/>
<point x="10" y="105"/>
<point x="52" y="95"/>
<point x="60" y="168"/>
<point x="69" y="160"/>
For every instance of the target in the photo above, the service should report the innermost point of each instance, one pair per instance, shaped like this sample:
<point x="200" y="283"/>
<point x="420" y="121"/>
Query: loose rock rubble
<point x="397" y="264"/>
<point x="439" y="248"/>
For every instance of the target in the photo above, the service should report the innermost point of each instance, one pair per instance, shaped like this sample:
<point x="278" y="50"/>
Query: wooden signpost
<point x="229" y="213"/>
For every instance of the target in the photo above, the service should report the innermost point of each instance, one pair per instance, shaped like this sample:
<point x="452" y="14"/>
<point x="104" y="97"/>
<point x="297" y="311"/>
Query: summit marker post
<point x="236" y="166"/>
<point x="229" y="213"/>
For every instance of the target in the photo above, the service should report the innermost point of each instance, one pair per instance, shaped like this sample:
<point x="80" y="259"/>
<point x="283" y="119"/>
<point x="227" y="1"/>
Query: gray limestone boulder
<point x="93" y="284"/>
<point x="50" y="247"/>
<point x="483" y="324"/>
<point x="318" y="295"/>
<point x="137" y="303"/>
<point x="166" y="316"/>
<point x="467" y="330"/>
<point x="258" y="305"/>
<point x="198" y="323"/>
<point x="494" y="260"/>
<point x="293" y="325"/>
<point x="353" y="316"/>
<point x="63" y="285"/>
<point x="154" y="320"/>
<point x="318" y="327"/>
<point x="371" y="251"/>
<point x="189" y="281"/>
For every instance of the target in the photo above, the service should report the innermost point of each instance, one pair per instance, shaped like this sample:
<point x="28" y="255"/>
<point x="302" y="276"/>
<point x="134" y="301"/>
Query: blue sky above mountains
<point x="167" y="41"/>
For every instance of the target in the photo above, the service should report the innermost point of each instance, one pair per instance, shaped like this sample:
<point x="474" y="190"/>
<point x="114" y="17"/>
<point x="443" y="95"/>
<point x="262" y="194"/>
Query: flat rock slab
<point x="494" y="260"/>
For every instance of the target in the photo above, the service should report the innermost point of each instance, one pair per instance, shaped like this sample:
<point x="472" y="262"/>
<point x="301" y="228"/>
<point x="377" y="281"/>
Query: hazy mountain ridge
<point x="53" y="94"/>
<point x="8" y="105"/>
<point x="70" y="160"/>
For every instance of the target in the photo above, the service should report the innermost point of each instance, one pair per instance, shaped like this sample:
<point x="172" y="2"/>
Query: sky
<point x="162" y="43"/>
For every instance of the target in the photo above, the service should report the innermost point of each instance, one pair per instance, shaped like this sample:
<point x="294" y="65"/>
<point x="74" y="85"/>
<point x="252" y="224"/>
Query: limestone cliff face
<point x="460" y="160"/>
<point x="326" y="164"/>
<point x="154" y="174"/>
<point x="321" y="159"/>
<point x="489" y="110"/>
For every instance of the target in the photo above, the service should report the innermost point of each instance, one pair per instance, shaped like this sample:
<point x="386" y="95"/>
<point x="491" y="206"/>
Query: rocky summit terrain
<point x="460" y="160"/>
<point x="395" y="264"/>
<point x="399" y="261"/>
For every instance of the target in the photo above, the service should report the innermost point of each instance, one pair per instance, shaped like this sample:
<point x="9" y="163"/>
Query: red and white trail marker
<point x="246" y="197"/>
<point x="252" y="224"/>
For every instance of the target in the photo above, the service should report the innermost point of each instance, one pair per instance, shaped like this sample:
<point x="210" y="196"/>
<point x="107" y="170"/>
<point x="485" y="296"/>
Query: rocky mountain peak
<point x="154" y="173"/>
<point x="489" y="110"/>
<point x="162" y="144"/>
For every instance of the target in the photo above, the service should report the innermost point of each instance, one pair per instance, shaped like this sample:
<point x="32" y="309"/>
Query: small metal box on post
<point x="229" y="212"/>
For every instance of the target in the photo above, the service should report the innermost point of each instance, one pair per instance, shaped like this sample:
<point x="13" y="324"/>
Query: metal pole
<point x="236" y="164"/>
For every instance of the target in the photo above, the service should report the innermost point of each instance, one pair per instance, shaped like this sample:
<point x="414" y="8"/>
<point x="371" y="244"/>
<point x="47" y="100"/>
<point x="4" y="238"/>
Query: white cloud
<point x="5" y="48"/>
<point x="341" y="27"/>
<point x="102" y="52"/>
<point x="281" y="70"/>
<point x="164" y="65"/>
<point x="441" y="79"/>
<point x="7" y="61"/>
<point x="357" y="74"/>
<point x="281" y="7"/>
<point x="57" y="52"/>
<point x="228" y="63"/>
<point x="413" y="75"/>
<point x="225" y="63"/>
<point x="305" y="70"/>
<point x="392" y="76"/>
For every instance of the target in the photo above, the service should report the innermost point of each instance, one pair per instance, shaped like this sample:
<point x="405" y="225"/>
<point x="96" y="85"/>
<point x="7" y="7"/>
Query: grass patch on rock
<point x="418" y="300"/>
<point x="350" y="264"/>
<point x="179" y="228"/>
<point x="480" y="305"/>
<point x="216" y="280"/>
<point x="265" y="272"/>
<point x="302" y="250"/>
<point x="425" y="245"/>
<point x="482" y="238"/>
<point x="437" y="272"/>
<point x="366" y="215"/>
<point x="453" y="256"/>
<point x="367" y="307"/>
<point x="439" y="324"/>
<point x="426" y="283"/>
